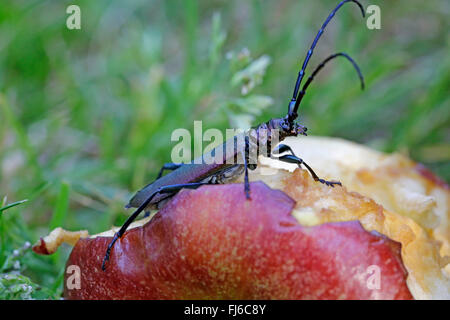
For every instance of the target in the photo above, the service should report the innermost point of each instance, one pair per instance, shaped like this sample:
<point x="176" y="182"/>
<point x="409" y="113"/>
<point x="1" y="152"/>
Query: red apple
<point x="213" y="243"/>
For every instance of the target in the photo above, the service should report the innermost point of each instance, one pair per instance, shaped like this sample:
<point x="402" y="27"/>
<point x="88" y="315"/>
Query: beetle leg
<point x="246" y="158"/>
<point x="316" y="178"/>
<point x="282" y="148"/>
<point x="292" y="158"/>
<point x="168" y="166"/>
<point x="166" y="189"/>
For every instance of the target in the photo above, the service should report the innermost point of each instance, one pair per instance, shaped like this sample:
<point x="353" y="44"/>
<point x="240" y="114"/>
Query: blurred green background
<point x="86" y="115"/>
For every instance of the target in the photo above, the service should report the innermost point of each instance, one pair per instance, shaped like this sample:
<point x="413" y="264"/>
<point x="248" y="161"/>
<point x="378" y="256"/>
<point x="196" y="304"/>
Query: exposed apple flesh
<point x="212" y="243"/>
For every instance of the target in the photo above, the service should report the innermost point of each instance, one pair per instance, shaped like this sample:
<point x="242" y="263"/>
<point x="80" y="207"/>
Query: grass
<point x="86" y="115"/>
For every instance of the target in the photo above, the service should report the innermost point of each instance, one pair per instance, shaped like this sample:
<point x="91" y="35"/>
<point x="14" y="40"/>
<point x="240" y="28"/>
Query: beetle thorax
<point x="267" y="135"/>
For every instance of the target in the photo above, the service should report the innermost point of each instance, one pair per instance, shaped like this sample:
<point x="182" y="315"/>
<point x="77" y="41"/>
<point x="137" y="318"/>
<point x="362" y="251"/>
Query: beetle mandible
<point x="193" y="175"/>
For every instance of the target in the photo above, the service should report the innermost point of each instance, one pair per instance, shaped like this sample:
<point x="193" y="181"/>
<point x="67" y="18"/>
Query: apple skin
<point x="213" y="243"/>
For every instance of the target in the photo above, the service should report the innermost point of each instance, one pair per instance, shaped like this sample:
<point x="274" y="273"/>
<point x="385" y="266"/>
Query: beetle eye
<point x="284" y="125"/>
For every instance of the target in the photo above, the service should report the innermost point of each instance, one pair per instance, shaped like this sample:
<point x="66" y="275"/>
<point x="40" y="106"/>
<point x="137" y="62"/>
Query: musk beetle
<point x="260" y="139"/>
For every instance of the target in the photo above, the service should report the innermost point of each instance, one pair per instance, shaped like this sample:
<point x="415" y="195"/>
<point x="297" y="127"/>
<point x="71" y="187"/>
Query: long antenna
<point x="310" y="52"/>
<point x="319" y="67"/>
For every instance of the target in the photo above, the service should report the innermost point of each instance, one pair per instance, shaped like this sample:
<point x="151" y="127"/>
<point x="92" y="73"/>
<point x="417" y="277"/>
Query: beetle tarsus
<point x="247" y="192"/>
<point x="108" y="250"/>
<point x="330" y="183"/>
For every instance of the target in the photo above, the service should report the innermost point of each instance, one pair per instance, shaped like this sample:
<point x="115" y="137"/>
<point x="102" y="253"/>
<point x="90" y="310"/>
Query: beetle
<point x="244" y="147"/>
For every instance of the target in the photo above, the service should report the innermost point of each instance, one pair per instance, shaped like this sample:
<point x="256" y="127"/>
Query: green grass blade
<point x="11" y="205"/>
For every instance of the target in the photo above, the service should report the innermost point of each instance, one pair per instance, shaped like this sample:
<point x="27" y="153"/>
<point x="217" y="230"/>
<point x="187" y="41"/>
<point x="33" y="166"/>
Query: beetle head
<point x="287" y="128"/>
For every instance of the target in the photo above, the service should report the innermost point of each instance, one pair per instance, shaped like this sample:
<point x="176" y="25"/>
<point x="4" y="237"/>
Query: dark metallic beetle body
<point x="215" y="173"/>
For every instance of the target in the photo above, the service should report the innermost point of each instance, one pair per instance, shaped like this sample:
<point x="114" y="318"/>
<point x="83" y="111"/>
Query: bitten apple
<point x="213" y="243"/>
